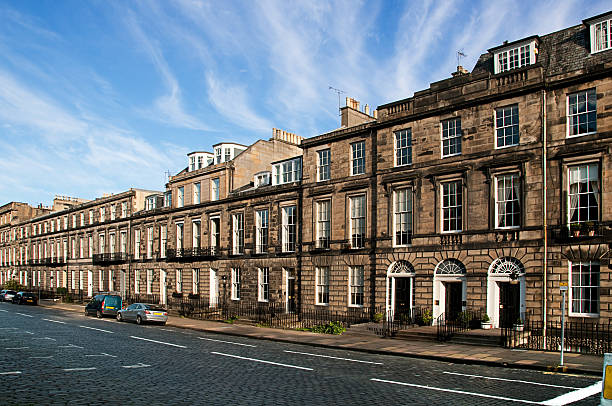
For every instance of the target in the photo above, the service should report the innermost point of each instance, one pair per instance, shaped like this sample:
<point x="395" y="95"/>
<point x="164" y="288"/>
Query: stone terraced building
<point x="485" y="192"/>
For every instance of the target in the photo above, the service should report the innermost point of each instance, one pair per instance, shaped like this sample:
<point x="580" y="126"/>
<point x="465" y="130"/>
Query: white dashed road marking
<point x="23" y="314"/>
<point x="482" y="395"/>
<point x="69" y="346"/>
<point x="97" y="329"/>
<point x="79" y="369"/>
<point x="47" y="357"/>
<point x="5" y="311"/>
<point x="158" y="342"/>
<point x="102" y="354"/>
<point x="55" y="321"/>
<point x="262" y="361"/>
<point x="11" y="373"/>
<point x="8" y="328"/>
<point x="511" y="380"/>
<point x="139" y="365"/>
<point x="44" y="338"/>
<point x="226" y="342"/>
<point x="329" y="356"/>
<point x="17" y="348"/>
<point x="574" y="396"/>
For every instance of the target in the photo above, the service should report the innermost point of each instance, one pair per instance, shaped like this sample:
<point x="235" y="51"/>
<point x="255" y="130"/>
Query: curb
<point x="464" y="361"/>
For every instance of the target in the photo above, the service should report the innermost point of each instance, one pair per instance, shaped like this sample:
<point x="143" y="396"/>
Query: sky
<point x="98" y="97"/>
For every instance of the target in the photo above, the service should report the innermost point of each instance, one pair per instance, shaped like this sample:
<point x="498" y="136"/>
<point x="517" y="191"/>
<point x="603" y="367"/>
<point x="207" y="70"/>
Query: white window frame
<point x="137" y="243"/>
<point x="215" y="233"/>
<point x="180" y="237"/>
<point x="358" y="159"/>
<point x="262" y="223"/>
<point x="235" y="283"/>
<point x="137" y="281"/>
<point x="356" y="288"/>
<point x="289" y="229"/>
<point x="358" y="221"/>
<point x="402" y="142"/>
<point x="123" y="210"/>
<point x="197" y="189"/>
<point x="591" y="167"/>
<point x="451" y="207"/>
<point x="196" y="234"/>
<point x="323" y="224"/>
<point x="195" y="281"/>
<point x="102" y="215"/>
<point x="506" y="120"/>
<point x="580" y="287"/>
<point x="163" y="241"/>
<point x="401" y="213"/>
<point x="214" y="189"/>
<point x="179" y="280"/>
<point x="588" y="94"/>
<point x="238" y="233"/>
<point x="451" y="135"/>
<point x="113" y="212"/>
<point x="263" y="284"/>
<point x="180" y="200"/>
<point x="605" y="23"/>
<point x="515" y="178"/>
<point x="322" y="286"/>
<point x="149" y="281"/>
<point x="149" y="242"/>
<point x="514" y="57"/>
<point x="324" y="165"/>
<point x="91" y="217"/>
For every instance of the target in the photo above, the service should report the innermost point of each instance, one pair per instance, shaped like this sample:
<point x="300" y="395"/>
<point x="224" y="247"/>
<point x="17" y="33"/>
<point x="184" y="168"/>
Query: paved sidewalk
<point x="457" y="353"/>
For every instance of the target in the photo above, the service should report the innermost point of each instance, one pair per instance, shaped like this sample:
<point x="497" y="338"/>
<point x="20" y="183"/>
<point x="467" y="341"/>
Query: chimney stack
<point x="460" y="71"/>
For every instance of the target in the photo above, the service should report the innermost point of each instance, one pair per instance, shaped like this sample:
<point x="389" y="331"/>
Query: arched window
<point x="401" y="267"/>
<point x="507" y="266"/>
<point x="450" y="267"/>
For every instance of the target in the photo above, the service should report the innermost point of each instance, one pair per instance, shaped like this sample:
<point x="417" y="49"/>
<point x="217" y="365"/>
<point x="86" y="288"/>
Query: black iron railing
<point x="191" y="253"/>
<point x="577" y="232"/>
<point x="448" y="324"/>
<point x="109" y="257"/>
<point x="401" y="319"/>
<point x="580" y="337"/>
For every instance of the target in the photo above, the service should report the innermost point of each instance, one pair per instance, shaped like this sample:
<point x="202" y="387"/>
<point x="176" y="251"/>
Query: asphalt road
<point x="48" y="356"/>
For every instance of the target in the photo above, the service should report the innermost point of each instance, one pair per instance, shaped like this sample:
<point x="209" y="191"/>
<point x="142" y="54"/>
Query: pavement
<point x="447" y="352"/>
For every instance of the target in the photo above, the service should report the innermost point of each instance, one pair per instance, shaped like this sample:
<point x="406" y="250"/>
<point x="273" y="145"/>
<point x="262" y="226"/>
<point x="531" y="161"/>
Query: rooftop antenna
<point x="339" y="93"/>
<point x="167" y="175"/>
<point x="460" y="55"/>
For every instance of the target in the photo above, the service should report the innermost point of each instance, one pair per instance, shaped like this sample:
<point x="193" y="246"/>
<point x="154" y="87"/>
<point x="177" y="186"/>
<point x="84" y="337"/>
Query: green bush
<point x="485" y="318"/>
<point x="13" y="285"/>
<point x="62" y="291"/>
<point x="333" y="327"/>
<point x="378" y="317"/>
<point x="425" y="318"/>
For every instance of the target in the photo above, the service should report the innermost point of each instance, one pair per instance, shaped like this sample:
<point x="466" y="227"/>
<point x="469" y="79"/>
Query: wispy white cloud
<point x="233" y="102"/>
<point x="168" y="108"/>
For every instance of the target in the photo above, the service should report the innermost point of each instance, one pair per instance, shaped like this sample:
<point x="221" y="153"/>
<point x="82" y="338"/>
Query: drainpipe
<point x="544" y="223"/>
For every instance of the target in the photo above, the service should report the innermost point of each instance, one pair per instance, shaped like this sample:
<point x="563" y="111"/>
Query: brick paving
<point x="456" y="353"/>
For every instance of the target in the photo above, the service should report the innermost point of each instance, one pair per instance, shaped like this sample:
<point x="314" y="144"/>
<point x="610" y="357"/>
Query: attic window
<point x="601" y="35"/>
<point x="262" y="179"/>
<point x="515" y="57"/>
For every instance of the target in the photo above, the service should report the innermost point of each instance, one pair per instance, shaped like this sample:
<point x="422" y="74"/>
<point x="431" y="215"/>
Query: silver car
<point x="143" y="313"/>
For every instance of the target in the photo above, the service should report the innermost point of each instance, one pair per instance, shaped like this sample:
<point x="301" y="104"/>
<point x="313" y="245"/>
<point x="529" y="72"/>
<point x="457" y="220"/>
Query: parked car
<point x="143" y="313"/>
<point x="2" y="292"/>
<point x="103" y="304"/>
<point x="25" y="298"/>
<point x="8" y="295"/>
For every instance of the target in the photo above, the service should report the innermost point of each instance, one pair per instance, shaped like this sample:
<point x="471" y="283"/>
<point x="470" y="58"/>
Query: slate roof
<point x="563" y="51"/>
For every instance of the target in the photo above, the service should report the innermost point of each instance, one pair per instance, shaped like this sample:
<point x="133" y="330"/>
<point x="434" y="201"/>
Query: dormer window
<point x="515" y="56"/>
<point x="262" y="179"/>
<point x="218" y="155"/>
<point x="192" y="163"/>
<point x="287" y="171"/>
<point x="601" y="35"/>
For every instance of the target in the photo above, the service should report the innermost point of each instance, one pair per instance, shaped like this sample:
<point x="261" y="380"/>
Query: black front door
<point x="402" y="296"/>
<point x="291" y="295"/>
<point x="509" y="303"/>
<point x="453" y="300"/>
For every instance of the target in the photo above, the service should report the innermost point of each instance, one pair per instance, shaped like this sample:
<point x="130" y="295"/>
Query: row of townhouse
<point x="486" y="191"/>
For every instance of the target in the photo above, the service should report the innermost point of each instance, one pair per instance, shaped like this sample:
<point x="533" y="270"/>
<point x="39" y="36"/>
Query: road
<point x="48" y="356"/>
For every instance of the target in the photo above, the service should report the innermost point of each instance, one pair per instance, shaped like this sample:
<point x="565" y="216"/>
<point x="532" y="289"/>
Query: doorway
<point x="509" y="303"/>
<point x="403" y="296"/>
<point x="214" y="288"/>
<point x="291" y="291"/>
<point x="89" y="283"/>
<point x="453" y="300"/>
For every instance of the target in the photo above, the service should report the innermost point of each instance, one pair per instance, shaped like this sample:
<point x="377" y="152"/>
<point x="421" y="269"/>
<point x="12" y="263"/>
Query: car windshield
<point x="154" y="308"/>
<point x="28" y="295"/>
<point x="10" y="292"/>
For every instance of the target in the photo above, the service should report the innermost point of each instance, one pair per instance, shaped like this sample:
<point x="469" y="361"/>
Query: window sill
<point x="356" y="306"/>
<point x="584" y="315"/>
<point x="322" y="304"/>
<point x="451" y="232"/>
<point x="236" y="299"/>
<point x="580" y="135"/>
<point x="263" y="301"/>
<point x="507" y="146"/>
<point x="451" y="155"/>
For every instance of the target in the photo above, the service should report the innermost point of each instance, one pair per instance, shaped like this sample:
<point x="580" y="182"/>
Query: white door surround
<point x="397" y="269"/>
<point x="504" y="270"/>
<point x="163" y="291"/>
<point x="449" y="270"/>
<point x="214" y="288"/>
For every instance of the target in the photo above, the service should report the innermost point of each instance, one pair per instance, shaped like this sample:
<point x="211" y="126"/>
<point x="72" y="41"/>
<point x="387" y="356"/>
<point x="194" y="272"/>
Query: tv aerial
<point x="339" y="92"/>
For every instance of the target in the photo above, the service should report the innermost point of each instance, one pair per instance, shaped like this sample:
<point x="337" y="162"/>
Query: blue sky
<point x="100" y="96"/>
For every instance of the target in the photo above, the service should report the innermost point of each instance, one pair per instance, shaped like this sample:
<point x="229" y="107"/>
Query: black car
<point x="25" y="298"/>
<point x="103" y="305"/>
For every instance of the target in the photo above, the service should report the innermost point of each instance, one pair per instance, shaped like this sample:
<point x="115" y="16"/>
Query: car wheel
<point x="86" y="313"/>
<point x="98" y="314"/>
<point x="119" y="318"/>
<point x="163" y="323"/>
<point x="138" y="320"/>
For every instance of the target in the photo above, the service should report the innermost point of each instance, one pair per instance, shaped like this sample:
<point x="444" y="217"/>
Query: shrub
<point x="485" y="318"/>
<point x="425" y="318"/>
<point x="62" y="291"/>
<point x="378" y="317"/>
<point x="13" y="285"/>
<point x="333" y="327"/>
